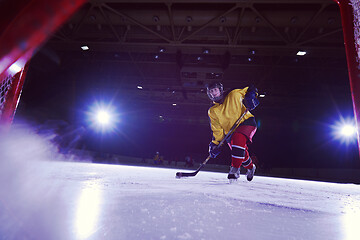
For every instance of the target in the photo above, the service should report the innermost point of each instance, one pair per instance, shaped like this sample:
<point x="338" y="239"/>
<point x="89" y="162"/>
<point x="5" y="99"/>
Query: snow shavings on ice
<point x="40" y="198"/>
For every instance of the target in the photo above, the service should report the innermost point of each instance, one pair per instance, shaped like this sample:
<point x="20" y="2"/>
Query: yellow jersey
<point x="224" y="115"/>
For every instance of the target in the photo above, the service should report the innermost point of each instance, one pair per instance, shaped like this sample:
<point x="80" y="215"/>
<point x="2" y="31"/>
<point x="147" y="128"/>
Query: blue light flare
<point x="103" y="117"/>
<point x="345" y="130"/>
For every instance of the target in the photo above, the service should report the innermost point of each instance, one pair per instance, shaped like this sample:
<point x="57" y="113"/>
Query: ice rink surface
<point x="71" y="200"/>
<point x="42" y="197"/>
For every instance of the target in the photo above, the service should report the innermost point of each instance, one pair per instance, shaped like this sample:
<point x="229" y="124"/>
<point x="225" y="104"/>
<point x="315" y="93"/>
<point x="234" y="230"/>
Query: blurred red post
<point x="347" y="18"/>
<point x="24" y="26"/>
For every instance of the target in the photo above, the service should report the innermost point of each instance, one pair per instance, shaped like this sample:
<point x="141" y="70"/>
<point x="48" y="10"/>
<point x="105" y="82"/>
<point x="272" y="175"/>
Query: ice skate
<point x="234" y="174"/>
<point x="250" y="173"/>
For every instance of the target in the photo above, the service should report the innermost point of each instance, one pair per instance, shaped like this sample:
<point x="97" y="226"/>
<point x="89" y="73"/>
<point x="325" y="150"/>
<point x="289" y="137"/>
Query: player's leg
<point x="240" y="156"/>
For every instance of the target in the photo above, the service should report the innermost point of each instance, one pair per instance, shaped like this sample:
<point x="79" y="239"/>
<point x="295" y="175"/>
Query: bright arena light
<point x="345" y="130"/>
<point x="103" y="117"/>
<point x="85" y="48"/>
<point x="301" y="53"/>
<point x="348" y="130"/>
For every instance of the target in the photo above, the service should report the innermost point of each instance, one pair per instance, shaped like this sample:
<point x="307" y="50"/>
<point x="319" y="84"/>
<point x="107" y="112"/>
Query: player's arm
<point x="250" y="100"/>
<point x="217" y="135"/>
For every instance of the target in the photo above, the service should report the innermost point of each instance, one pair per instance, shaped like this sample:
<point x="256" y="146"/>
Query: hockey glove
<point x="214" y="150"/>
<point x="250" y="101"/>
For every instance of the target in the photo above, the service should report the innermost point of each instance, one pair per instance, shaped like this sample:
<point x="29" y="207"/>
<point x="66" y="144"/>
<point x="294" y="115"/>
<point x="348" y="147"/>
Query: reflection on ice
<point x="88" y="207"/>
<point x="57" y="200"/>
<point x="351" y="218"/>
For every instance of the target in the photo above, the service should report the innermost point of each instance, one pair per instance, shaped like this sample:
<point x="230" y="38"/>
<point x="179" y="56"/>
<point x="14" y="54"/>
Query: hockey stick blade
<point x="192" y="174"/>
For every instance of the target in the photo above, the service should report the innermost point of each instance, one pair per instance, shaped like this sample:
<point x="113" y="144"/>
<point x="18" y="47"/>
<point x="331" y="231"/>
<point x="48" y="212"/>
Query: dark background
<point x="304" y="95"/>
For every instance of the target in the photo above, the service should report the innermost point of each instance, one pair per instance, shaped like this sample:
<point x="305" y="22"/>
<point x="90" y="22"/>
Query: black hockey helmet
<point x="212" y="86"/>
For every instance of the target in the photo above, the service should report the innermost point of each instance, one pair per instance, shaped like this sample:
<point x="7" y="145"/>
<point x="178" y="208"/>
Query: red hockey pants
<point x="239" y="151"/>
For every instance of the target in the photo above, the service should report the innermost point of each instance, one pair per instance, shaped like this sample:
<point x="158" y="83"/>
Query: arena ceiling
<point x="173" y="48"/>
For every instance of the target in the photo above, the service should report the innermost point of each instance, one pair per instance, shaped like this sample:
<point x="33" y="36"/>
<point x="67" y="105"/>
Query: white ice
<point x="43" y="199"/>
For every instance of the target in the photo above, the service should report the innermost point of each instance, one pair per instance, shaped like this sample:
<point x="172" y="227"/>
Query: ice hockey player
<point x="227" y="108"/>
<point x="157" y="158"/>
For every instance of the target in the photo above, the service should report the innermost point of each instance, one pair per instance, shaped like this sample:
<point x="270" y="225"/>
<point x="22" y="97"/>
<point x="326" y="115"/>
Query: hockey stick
<point x="192" y="174"/>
